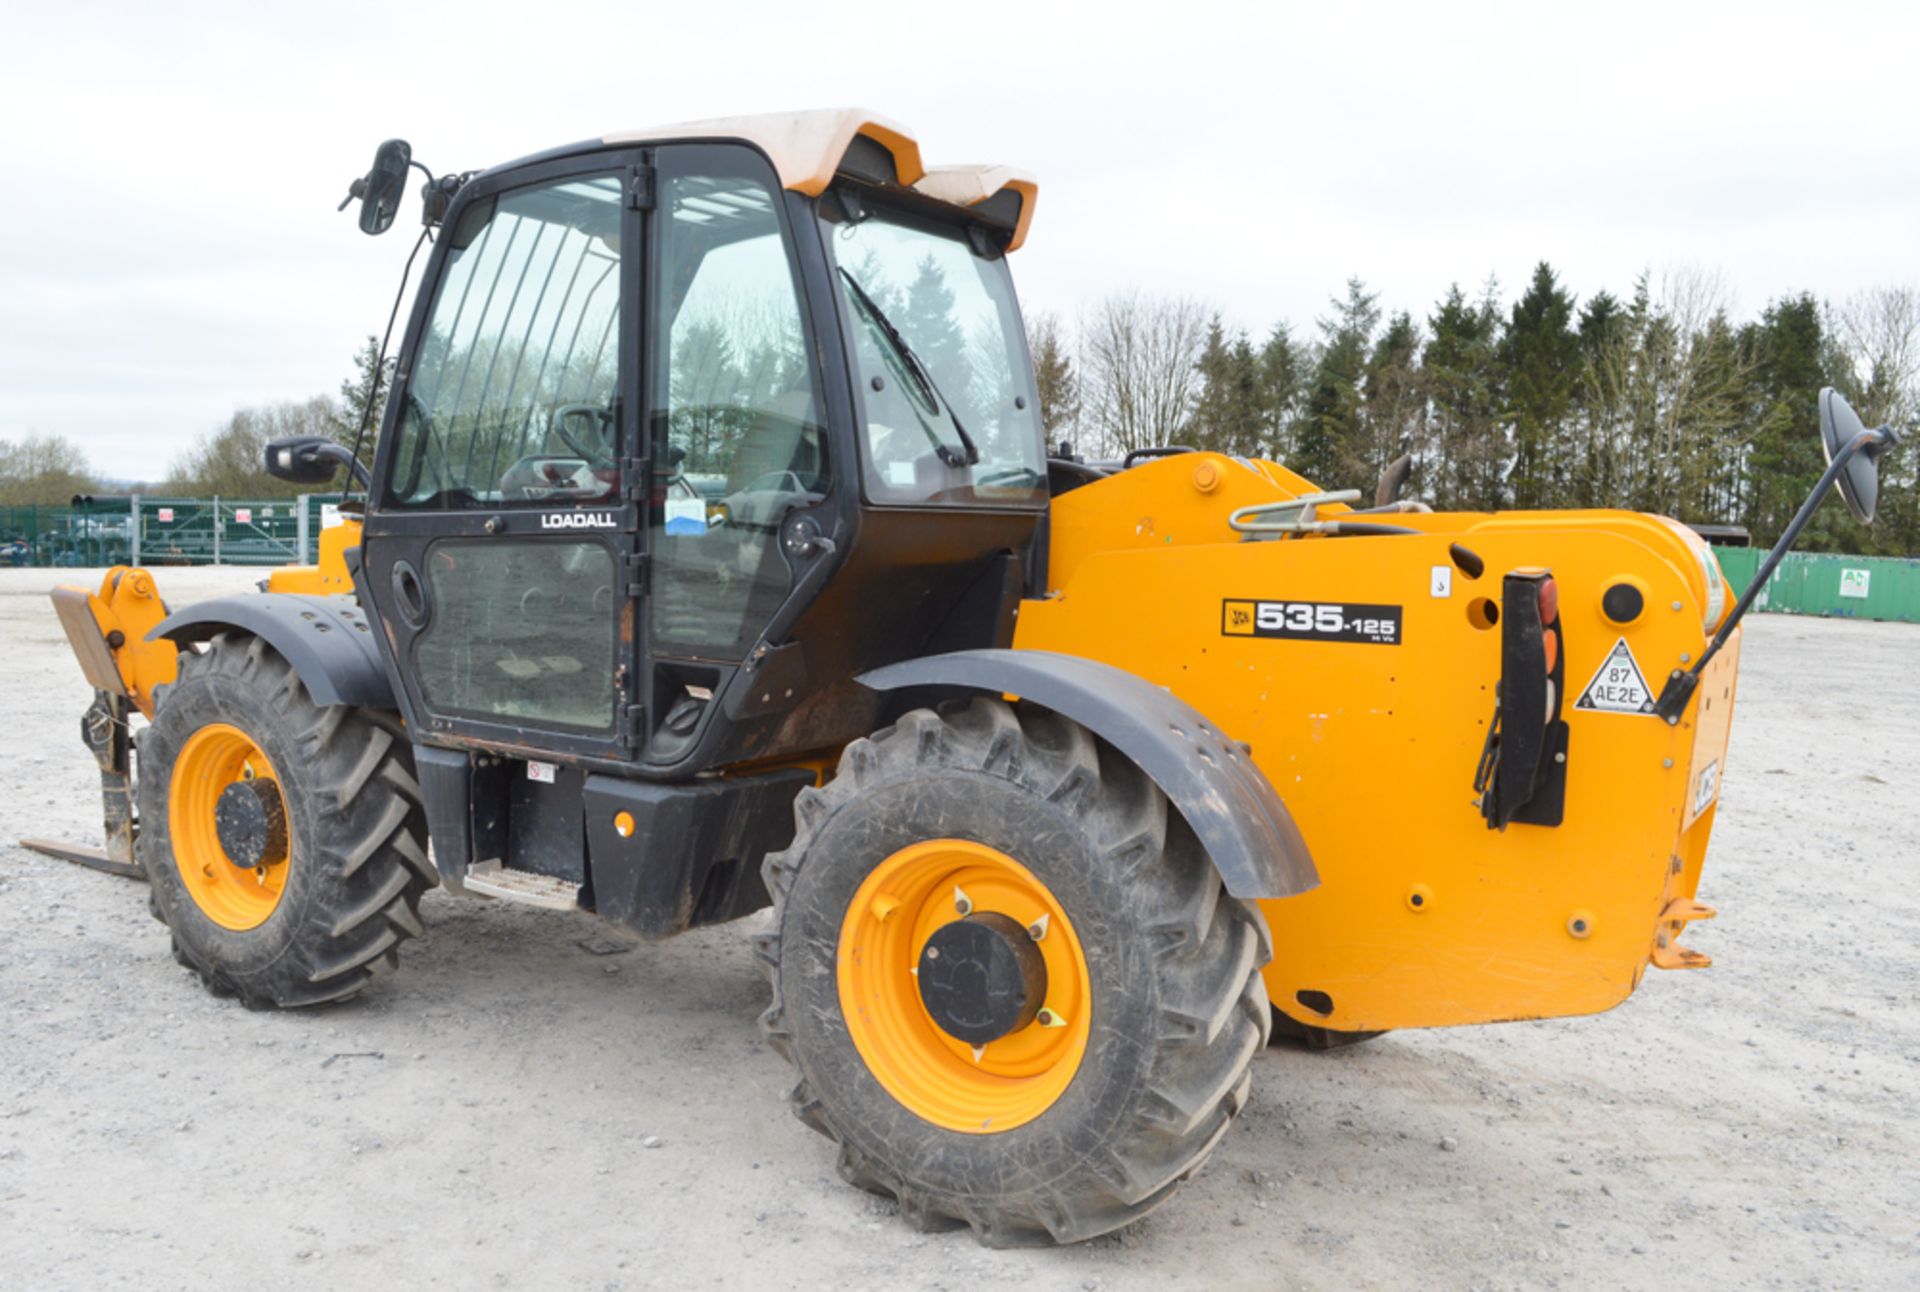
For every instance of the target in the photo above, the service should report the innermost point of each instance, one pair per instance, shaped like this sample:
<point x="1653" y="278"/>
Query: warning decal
<point x="1709" y="785"/>
<point x="1619" y="686"/>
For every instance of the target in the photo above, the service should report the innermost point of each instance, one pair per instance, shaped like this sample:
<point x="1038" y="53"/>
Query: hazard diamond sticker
<point x="1619" y="686"/>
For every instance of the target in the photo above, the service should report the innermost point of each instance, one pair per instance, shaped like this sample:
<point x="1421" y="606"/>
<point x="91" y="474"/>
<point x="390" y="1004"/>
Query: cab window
<point x="511" y="398"/>
<point x="948" y="415"/>
<point x="738" y="438"/>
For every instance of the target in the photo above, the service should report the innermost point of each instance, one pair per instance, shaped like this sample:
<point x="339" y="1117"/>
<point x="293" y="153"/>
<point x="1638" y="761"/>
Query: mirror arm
<point x="356" y="469"/>
<point x="1681" y="683"/>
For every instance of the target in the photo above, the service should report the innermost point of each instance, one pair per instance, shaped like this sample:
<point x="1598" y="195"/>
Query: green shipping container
<point x="1817" y="583"/>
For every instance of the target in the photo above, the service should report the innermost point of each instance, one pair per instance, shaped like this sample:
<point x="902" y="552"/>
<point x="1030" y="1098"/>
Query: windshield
<point x="949" y="413"/>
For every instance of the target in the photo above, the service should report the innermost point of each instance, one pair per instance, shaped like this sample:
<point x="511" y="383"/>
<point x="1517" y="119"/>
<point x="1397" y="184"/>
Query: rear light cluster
<point x="1521" y="776"/>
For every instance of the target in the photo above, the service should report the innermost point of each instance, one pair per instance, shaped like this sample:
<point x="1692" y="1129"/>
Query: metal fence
<point x="137" y="530"/>
<point x="1818" y="583"/>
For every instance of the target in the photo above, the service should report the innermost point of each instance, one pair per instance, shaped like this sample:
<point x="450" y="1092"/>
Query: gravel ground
<point x="515" y="1109"/>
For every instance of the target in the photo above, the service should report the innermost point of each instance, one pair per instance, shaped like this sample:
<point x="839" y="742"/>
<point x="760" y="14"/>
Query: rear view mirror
<point x="381" y="189"/>
<point x="1853" y="463"/>
<point x="1860" y="478"/>
<point x="309" y="460"/>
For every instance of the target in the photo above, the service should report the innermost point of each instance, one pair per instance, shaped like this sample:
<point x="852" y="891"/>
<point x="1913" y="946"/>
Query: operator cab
<point x="691" y="427"/>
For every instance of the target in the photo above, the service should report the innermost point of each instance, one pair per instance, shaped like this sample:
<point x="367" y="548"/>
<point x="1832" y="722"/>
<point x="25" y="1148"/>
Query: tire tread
<point x="366" y="837"/>
<point x="1209" y="949"/>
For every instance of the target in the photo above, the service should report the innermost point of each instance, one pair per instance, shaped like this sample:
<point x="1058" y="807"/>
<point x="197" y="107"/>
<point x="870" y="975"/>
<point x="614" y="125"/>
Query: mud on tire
<point x="1178" y="1007"/>
<point x="358" y="862"/>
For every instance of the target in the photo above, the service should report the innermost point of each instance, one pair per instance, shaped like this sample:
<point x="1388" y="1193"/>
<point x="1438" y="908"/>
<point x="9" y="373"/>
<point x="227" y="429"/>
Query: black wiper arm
<point x="873" y="311"/>
<point x="922" y="376"/>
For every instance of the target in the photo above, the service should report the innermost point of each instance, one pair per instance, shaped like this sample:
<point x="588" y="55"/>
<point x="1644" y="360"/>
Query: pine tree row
<point x="1656" y="402"/>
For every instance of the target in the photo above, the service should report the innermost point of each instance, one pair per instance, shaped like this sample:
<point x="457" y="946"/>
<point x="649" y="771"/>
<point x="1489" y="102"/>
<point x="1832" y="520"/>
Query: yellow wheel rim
<point x="938" y="1077"/>
<point x="214" y="757"/>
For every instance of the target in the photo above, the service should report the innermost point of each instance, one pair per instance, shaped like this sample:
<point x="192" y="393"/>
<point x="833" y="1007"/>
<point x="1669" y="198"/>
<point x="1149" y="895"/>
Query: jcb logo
<point x="1260" y="618"/>
<point x="578" y="520"/>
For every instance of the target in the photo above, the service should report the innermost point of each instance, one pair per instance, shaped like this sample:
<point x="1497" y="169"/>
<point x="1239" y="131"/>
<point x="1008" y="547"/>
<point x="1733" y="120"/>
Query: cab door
<point x="502" y="533"/>
<point x="738" y="432"/>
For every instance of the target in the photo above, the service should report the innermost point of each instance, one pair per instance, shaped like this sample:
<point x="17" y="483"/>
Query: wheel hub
<point x="250" y="821"/>
<point x="935" y="949"/>
<point x="982" y="977"/>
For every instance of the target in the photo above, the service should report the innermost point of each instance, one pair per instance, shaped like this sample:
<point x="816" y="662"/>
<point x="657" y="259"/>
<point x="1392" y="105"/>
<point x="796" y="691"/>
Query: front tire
<point x="1081" y="1118"/>
<point x="330" y="830"/>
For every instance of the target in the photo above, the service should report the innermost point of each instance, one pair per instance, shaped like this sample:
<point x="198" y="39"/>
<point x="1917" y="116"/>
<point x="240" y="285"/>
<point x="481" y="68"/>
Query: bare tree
<point x="232" y="460"/>
<point x="1878" y="332"/>
<point x="1139" y="356"/>
<point x="1877" y="336"/>
<point x="43" y="469"/>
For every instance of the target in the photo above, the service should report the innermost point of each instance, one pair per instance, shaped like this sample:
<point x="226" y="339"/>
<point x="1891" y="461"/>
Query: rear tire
<point x="1175" y="1009"/>
<point x="354" y="861"/>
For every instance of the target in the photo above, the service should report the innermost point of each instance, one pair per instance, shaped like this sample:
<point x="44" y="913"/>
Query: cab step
<point x="523" y="886"/>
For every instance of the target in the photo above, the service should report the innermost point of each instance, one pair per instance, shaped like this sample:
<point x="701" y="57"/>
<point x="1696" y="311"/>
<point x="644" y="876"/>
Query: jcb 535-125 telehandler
<point x="712" y="557"/>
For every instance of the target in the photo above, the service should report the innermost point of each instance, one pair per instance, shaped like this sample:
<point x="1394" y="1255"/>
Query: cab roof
<point x="809" y="148"/>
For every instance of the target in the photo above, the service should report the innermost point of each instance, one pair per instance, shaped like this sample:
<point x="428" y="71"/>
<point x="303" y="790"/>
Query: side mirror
<point x="1860" y="479"/>
<point x="381" y="189"/>
<point x="1853" y="463"/>
<point x="310" y="460"/>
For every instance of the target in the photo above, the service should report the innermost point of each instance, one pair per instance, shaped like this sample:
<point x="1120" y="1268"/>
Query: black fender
<point x="1225" y="798"/>
<point x="328" y="640"/>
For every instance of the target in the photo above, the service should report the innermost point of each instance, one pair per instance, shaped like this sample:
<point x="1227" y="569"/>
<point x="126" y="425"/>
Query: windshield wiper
<point x="922" y="376"/>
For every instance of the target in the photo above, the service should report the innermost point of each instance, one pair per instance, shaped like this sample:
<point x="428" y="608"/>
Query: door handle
<point x="804" y="537"/>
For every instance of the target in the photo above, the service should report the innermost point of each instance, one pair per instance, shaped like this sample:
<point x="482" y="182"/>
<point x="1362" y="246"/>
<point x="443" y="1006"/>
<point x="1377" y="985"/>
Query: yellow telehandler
<point x="712" y="557"/>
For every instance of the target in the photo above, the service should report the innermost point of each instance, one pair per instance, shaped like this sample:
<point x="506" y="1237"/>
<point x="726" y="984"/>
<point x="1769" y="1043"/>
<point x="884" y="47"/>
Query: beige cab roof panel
<point x="968" y="185"/>
<point x="806" y="149"/>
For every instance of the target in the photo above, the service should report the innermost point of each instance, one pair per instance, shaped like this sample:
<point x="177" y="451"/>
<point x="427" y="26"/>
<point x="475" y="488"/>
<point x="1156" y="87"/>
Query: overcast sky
<point x="169" y="248"/>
